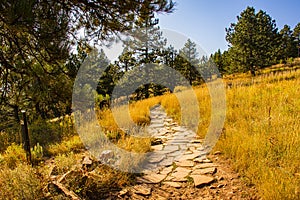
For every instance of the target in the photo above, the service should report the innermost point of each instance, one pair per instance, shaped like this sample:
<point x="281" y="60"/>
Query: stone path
<point x="178" y="168"/>
<point x="178" y="156"/>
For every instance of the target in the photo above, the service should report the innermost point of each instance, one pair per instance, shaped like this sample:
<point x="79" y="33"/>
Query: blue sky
<point x="204" y="21"/>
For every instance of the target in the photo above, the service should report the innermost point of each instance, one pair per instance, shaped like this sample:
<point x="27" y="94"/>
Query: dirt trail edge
<point x="180" y="169"/>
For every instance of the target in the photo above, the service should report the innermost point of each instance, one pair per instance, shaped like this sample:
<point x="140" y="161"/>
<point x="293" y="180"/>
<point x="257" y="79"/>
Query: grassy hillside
<point x="261" y="138"/>
<point x="261" y="135"/>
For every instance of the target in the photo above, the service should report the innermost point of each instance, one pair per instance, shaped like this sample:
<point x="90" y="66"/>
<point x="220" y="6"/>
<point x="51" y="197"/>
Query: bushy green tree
<point x="254" y="40"/>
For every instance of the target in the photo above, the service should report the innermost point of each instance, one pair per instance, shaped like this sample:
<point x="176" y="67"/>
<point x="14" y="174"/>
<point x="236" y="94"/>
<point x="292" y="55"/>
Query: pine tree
<point x="126" y="60"/>
<point x="145" y="45"/>
<point x="254" y="40"/>
<point x="218" y="60"/>
<point x="296" y="34"/>
<point x="288" y="44"/>
<point x="187" y="61"/>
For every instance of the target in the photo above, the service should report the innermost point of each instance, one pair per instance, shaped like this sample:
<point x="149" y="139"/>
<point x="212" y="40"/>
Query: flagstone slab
<point x="210" y="170"/>
<point x="180" y="176"/>
<point x="171" y="148"/>
<point x="202" y="180"/>
<point x="155" y="126"/>
<point x="200" y="159"/>
<point x="205" y="165"/>
<point x="152" y="178"/>
<point x="155" y="158"/>
<point x="166" y="170"/>
<point x="141" y="189"/>
<point x="157" y="147"/>
<point x="166" y="162"/>
<point x="185" y="163"/>
<point x="188" y="157"/>
<point x="206" y="161"/>
<point x="175" y="153"/>
<point x="179" y="129"/>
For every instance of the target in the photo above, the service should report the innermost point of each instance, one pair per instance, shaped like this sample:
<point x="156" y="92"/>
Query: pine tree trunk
<point x="252" y="70"/>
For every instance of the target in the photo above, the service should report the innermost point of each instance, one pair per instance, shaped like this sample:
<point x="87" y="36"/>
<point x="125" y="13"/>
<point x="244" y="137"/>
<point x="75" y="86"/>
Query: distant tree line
<point x="255" y="42"/>
<point x="150" y="47"/>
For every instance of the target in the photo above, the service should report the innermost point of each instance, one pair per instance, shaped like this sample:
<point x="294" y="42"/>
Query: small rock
<point x="169" y="178"/>
<point x="173" y="184"/>
<point x="220" y="185"/>
<point x="200" y="159"/>
<point x="211" y="170"/>
<point x="106" y="155"/>
<point x="123" y="192"/>
<point x="156" y="126"/>
<point x="206" y="161"/>
<point x="168" y="120"/>
<point x="178" y="129"/>
<point x="152" y="178"/>
<point x="212" y="187"/>
<point x="217" y="152"/>
<point x="188" y="152"/>
<point x="142" y="190"/>
<point x="202" y="180"/>
<point x="87" y="161"/>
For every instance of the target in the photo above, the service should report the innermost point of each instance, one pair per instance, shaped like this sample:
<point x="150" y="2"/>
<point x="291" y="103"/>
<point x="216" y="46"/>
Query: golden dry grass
<point x="261" y="134"/>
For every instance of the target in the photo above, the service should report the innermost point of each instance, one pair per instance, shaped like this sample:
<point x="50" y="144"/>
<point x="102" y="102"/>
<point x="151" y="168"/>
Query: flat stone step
<point x="185" y="163"/>
<point x="210" y="170"/>
<point x="171" y="148"/>
<point x="151" y="178"/>
<point x="180" y="174"/>
<point x="155" y="158"/>
<point x="202" y="180"/>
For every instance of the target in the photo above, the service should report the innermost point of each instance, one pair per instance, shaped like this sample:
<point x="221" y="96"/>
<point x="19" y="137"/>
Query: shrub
<point x="8" y="137"/>
<point x="47" y="132"/>
<point x="23" y="182"/>
<point x="68" y="145"/>
<point x="14" y="155"/>
<point x="44" y="132"/>
<point x="64" y="162"/>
